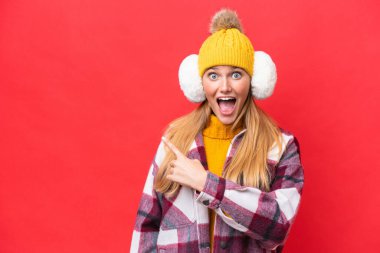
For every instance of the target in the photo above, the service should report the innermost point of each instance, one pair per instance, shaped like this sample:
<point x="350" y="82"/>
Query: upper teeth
<point x="226" y="98"/>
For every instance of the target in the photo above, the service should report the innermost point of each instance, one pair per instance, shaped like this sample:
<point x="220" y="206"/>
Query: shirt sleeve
<point x="264" y="216"/>
<point x="146" y="229"/>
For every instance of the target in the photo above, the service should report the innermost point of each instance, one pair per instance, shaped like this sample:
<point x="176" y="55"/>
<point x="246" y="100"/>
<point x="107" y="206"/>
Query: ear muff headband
<point x="263" y="80"/>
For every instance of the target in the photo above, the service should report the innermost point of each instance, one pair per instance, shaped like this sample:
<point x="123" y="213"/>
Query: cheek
<point x="247" y="91"/>
<point x="209" y="91"/>
<point x="243" y="90"/>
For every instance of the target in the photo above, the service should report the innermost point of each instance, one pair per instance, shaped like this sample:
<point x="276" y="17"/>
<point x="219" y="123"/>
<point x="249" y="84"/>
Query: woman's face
<point x="226" y="89"/>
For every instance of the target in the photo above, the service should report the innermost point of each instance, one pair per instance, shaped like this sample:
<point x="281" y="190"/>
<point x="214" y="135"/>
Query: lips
<point x="226" y="105"/>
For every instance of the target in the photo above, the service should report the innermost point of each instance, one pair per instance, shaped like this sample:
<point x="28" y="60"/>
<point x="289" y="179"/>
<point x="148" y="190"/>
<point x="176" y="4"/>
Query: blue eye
<point x="212" y="76"/>
<point x="236" y="75"/>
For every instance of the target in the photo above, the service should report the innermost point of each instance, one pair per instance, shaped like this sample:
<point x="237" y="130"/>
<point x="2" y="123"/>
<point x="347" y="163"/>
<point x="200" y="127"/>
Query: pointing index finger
<point x="172" y="147"/>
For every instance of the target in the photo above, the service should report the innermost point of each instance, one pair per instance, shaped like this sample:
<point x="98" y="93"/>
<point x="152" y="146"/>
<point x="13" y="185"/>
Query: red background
<point x="87" y="87"/>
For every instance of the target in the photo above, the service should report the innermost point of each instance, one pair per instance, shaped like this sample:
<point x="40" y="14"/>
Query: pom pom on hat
<point x="225" y="19"/>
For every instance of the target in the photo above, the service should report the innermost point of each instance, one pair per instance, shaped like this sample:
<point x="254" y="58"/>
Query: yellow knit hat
<point x="227" y="45"/>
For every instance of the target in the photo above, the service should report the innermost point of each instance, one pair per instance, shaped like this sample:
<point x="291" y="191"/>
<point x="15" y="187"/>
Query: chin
<point x="226" y="120"/>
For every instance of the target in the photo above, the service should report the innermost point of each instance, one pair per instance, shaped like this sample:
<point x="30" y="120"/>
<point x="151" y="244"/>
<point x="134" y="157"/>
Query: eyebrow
<point x="215" y="68"/>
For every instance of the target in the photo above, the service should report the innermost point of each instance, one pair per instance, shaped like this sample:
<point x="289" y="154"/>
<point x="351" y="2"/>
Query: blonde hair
<point x="248" y="166"/>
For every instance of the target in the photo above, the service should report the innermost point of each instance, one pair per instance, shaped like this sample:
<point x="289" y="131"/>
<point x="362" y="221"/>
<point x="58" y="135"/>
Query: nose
<point x="225" y="85"/>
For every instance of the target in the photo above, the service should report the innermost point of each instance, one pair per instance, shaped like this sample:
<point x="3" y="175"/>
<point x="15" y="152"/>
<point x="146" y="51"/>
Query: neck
<point x="216" y="129"/>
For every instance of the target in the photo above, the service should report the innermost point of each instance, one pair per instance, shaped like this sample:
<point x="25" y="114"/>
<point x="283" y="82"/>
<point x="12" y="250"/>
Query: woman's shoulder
<point x="287" y="142"/>
<point x="288" y="137"/>
<point x="286" y="132"/>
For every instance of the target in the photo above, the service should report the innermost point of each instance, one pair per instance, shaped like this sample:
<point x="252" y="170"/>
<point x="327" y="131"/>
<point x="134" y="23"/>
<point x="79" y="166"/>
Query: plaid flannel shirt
<point x="247" y="220"/>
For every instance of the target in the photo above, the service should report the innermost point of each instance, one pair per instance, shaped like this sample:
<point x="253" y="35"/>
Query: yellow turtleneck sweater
<point x="217" y="138"/>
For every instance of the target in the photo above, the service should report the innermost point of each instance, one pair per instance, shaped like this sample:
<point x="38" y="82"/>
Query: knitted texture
<point x="226" y="47"/>
<point x="217" y="138"/>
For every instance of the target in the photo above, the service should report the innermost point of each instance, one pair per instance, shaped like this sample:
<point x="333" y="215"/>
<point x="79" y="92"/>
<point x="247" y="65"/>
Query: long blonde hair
<point x="249" y="164"/>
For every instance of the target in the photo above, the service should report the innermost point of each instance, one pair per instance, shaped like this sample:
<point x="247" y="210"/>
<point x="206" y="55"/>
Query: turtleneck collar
<point x="217" y="130"/>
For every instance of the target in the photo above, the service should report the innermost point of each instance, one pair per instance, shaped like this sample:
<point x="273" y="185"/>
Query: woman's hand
<point x="185" y="171"/>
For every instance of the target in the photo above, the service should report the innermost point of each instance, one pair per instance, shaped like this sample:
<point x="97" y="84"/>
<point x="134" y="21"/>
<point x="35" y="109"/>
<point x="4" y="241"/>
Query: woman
<point x="225" y="178"/>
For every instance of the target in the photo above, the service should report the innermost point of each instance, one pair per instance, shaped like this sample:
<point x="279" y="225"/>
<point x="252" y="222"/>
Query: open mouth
<point x="226" y="105"/>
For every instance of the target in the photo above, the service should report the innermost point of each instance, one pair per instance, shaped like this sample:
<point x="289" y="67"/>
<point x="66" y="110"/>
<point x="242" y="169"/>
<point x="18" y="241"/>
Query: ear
<point x="189" y="79"/>
<point x="264" y="76"/>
